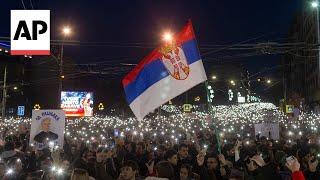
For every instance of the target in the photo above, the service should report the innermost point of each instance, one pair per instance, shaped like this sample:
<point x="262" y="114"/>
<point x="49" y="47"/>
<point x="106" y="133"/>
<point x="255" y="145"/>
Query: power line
<point x="24" y="7"/>
<point x="214" y="51"/>
<point x="31" y="4"/>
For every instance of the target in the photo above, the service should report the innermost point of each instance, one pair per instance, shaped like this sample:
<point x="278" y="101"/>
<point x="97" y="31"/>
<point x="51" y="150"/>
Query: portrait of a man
<point x="45" y="134"/>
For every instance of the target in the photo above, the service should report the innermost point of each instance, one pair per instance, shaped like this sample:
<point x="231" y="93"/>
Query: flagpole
<point x="211" y="113"/>
<point x="210" y="109"/>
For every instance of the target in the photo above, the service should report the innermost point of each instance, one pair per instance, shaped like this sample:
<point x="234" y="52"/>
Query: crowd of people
<point x="175" y="147"/>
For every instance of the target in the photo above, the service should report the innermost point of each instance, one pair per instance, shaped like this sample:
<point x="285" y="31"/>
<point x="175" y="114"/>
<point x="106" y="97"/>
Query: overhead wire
<point x="24" y="7"/>
<point x="241" y="42"/>
<point x="31" y="4"/>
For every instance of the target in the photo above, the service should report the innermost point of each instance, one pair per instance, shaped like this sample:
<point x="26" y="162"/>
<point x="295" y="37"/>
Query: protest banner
<point x="47" y="128"/>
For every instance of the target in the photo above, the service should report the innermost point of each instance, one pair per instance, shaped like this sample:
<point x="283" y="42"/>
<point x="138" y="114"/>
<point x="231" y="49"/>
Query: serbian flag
<point x="165" y="73"/>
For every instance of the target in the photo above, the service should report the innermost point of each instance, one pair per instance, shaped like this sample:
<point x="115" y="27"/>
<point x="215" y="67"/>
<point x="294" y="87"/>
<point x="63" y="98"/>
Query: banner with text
<point x="77" y="104"/>
<point x="47" y="129"/>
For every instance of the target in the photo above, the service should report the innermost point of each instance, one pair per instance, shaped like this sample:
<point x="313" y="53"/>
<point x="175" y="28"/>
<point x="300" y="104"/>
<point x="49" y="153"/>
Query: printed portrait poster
<point x="47" y="128"/>
<point x="270" y="130"/>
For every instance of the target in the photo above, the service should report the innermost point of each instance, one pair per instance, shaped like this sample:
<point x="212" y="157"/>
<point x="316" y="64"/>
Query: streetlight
<point x="232" y="82"/>
<point x="269" y="81"/>
<point x="66" y="31"/>
<point x="15" y="88"/>
<point x="167" y="37"/>
<point x="214" y="77"/>
<point x="314" y="4"/>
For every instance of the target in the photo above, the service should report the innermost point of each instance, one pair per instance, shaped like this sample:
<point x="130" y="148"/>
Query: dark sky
<point x="216" y="22"/>
<point x="123" y="22"/>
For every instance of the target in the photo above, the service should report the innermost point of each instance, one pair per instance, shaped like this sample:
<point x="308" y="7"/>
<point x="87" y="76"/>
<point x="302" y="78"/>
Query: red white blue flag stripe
<point x="160" y="77"/>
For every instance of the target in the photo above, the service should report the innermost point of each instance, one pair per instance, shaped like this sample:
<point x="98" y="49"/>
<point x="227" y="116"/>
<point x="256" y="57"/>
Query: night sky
<point x="124" y="31"/>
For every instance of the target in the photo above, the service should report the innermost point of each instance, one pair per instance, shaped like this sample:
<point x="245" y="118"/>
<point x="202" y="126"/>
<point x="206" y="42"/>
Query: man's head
<point x="172" y="157"/>
<point x="183" y="151"/>
<point x="161" y="149"/>
<point x="129" y="170"/>
<point x="84" y="154"/>
<point x="73" y="150"/>
<point x="228" y="150"/>
<point x="140" y="148"/>
<point x="78" y="173"/>
<point x="23" y="128"/>
<point x="164" y="170"/>
<point x="45" y="124"/>
<point x="131" y="147"/>
<point x="65" y="164"/>
<point x="212" y="162"/>
<point x="185" y="172"/>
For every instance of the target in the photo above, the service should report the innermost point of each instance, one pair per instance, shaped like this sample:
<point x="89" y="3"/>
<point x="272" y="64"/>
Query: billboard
<point x="77" y="104"/>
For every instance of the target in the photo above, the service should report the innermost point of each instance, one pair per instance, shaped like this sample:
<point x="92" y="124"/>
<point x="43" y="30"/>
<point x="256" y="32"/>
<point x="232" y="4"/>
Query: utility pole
<point x="4" y="94"/>
<point x="318" y="42"/>
<point x="284" y="83"/>
<point x="248" y="86"/>
<point x="61" y="74"/>
<point x="315" y="6"/>
<point x="66" y="32"/>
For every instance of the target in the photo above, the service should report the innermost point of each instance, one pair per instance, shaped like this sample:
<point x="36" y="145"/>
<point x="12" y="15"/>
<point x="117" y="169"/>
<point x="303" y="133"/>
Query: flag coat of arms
<point x="165" y="73"/>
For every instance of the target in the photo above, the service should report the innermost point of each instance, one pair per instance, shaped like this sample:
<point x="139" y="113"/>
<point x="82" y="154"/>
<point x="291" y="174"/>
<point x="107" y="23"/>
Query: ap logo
<point x="30" y="32"/>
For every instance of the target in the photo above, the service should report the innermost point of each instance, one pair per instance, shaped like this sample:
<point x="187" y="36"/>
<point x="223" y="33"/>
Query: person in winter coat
<point x="215" y="167"/>
<point x="186" y="173"/>
<point x="172" y="157"/>
<point x="129" y="171"/>
<point x="312" y="171"/>
<point x="164" y="171"/>
<point x="259" y="170"/>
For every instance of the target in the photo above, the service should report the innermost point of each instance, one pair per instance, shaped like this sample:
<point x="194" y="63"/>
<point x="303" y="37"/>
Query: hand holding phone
<point x="290" y="158"/>
<point x="292" y="164"/>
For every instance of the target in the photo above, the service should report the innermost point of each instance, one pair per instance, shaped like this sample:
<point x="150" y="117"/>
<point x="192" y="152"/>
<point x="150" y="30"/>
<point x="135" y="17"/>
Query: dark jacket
<point x="265" y="173"/>
<point x="205" y="174"/>
<point x="312" y="175"/>
<point x="43" y="135"/>
<point x="101" y="173"/>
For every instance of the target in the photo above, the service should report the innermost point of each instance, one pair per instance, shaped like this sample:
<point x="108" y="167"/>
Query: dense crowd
<point x="172" y="146"/>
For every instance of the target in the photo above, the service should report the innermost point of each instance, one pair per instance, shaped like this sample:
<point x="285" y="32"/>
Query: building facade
<point x="16" y="81"/>
<point x="301" y="62"/>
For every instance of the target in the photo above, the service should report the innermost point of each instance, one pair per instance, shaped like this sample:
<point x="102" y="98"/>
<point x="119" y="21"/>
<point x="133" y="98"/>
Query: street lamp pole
<point x="315" y="5"/>
<point x="318" y="42"/>
<point x="66" y="32"/>
<point x="61" y="73"/>
<point x="4" y="94"/>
